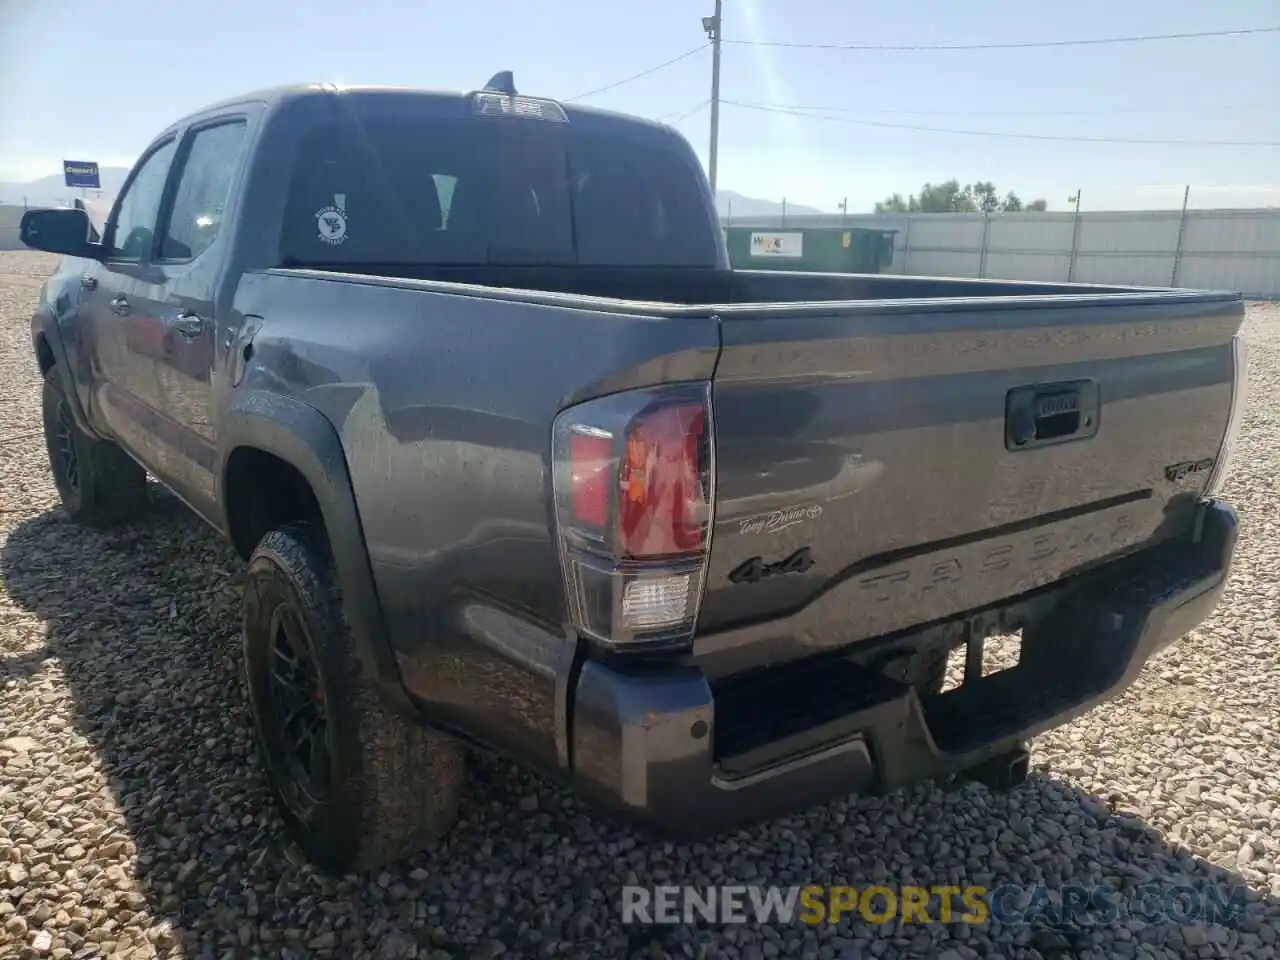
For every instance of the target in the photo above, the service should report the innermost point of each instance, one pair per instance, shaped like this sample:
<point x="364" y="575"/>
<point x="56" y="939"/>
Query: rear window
<point x="502" y="191"/>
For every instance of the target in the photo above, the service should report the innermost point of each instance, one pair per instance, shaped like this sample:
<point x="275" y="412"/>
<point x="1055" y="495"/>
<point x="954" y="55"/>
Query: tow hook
<point x="1002" y="772"/>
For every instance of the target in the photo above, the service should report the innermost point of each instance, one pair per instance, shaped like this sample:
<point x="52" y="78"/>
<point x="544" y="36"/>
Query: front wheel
<point x="358" y="784"/>
<point x="99" y="484"/>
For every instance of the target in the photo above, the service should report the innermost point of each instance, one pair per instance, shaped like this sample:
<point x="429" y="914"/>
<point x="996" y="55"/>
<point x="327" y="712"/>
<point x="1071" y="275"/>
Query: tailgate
<point x="882" y="466"/>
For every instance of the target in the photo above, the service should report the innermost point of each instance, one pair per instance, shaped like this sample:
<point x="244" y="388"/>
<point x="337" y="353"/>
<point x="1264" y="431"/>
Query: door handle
<point x="120" y="305"/>
<point x="89" y="283"/>
<point x="187" y="324"/>
<point x="1050" y="413"/>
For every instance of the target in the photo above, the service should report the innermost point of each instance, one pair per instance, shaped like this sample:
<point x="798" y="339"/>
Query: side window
<point x="203" y="186"/>
<point x="129" y="237"/>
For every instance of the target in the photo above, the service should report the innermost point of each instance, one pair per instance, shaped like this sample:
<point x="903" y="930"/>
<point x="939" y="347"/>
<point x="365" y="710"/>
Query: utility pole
<point x="712" y="26"/>
<point x="1075" y="238"/>
<point x="1182" y="235"/>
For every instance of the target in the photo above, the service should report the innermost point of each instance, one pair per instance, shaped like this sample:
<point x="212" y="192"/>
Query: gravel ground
<point x="133" y="820"/>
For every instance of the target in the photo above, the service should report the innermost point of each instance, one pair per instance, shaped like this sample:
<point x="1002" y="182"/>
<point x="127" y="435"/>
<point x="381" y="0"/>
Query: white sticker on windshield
<point x="331" y="221"/>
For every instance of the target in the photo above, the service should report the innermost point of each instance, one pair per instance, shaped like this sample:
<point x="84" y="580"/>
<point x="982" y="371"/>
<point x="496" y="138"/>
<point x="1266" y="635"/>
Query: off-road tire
<point x="393" y="784"/>
<point x="101" y="485"/>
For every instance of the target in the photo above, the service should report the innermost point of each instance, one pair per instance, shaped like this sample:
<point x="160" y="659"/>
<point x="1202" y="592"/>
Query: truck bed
<point x="873" y="432"/>
<point x="700" y="287"/>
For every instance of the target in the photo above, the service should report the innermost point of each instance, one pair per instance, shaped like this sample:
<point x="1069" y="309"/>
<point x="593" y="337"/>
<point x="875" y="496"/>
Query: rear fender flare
<point x="303" y="437"/>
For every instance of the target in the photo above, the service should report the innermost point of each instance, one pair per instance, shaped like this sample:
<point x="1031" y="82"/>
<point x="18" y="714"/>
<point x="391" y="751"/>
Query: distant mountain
<point x="731" y="202"/>
<point x="50" y="190"/>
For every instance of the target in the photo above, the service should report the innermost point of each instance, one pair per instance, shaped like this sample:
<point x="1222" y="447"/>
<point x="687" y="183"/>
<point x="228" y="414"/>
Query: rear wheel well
<point x="264" y="492"/>
<point x="44" y="355"/>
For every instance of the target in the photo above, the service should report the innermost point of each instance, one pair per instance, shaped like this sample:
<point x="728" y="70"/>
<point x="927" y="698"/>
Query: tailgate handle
<point x="1048" y="413"/>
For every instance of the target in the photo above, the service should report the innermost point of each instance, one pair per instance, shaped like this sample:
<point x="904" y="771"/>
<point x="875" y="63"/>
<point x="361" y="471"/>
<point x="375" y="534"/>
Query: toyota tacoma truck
<point x="518" y="464"/>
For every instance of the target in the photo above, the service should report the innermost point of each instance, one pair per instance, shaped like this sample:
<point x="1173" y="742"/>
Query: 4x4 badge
<point x="755" y="569"/>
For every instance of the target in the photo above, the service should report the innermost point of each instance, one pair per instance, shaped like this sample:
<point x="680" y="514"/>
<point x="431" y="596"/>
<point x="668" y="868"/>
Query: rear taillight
<point x="633" y="492"/>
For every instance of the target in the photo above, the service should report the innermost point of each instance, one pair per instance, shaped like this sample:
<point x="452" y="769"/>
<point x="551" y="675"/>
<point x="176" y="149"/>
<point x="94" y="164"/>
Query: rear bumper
<point x="665" y="747"/>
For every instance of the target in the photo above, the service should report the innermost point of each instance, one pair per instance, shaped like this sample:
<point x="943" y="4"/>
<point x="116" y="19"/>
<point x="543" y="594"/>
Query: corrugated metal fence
<point x="1215" y="249"/>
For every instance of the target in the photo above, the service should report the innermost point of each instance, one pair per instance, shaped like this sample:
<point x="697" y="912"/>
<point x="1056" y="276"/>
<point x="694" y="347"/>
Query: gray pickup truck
<point x="518" y="463"/>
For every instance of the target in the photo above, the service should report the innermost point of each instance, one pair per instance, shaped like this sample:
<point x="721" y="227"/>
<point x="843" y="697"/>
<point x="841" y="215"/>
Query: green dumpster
<point x="818" y="249"/>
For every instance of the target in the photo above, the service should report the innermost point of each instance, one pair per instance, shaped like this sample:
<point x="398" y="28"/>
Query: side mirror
<point x="59" y="231"/>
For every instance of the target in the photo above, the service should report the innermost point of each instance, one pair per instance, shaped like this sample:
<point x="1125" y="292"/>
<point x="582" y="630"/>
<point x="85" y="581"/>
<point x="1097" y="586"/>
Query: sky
<point x="97" y="81"/>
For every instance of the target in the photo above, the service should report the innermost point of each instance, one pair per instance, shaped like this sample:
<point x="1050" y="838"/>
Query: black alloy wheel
<point x="66" y="460"/>
<point x="297" y="704"/>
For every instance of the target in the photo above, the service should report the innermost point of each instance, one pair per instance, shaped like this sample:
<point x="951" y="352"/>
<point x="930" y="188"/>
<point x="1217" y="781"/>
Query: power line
<point x="1009" y="45"/>
<point x="771" y="108"/>
<point x="678" y="118"/>
<point x="901" y="111"/>
<point x="638" y="76"/>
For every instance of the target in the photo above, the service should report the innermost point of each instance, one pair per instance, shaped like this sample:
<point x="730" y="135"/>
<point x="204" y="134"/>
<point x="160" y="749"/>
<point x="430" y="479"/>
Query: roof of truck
<point x="273" y="96"/>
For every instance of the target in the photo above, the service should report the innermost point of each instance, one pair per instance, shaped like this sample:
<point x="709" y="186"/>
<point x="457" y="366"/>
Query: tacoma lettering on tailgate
<point x="934" y="573"/>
